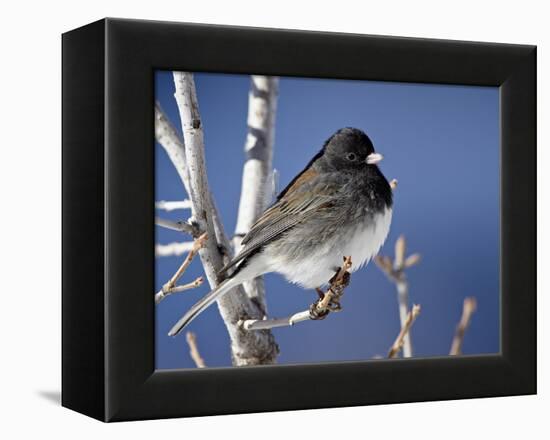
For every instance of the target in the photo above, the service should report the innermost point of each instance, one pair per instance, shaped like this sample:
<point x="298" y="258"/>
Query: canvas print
<point x="309" y="220"/>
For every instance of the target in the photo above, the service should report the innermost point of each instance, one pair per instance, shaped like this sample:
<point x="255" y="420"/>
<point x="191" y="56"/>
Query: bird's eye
<point x="351" y="157"/>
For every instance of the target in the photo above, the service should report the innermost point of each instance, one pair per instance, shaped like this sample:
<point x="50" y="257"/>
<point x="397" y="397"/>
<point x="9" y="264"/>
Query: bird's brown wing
<point x="297" y="205"/>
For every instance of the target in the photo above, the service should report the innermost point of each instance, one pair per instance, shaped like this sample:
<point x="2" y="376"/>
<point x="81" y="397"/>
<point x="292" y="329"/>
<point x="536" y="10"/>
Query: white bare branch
<point x="395" y="271"/>
<point x="174" y="249"/>
<point x="248" y="348"/>
<point x="262" y="104"/>
<point x="262" y="108"/>
<point x="167" y="136"/>
<point x="178" y="226"/>
<point x="173" y="205"/>
<point x="402" y="287"/>
<point x="263" y="324"/>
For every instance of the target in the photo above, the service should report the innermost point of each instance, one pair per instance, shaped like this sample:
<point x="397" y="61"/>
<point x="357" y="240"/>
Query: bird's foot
<point x="329" y="301"/>
<point x="315" y="313"/>
<point x="334" y="305"/>
<point x="340" y="281"/>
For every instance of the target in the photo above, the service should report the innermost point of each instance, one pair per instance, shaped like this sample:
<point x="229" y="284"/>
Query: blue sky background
<point x="442" y="144"/>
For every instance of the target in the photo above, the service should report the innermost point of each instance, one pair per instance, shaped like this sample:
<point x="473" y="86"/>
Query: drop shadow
<point x="52" y="396"/>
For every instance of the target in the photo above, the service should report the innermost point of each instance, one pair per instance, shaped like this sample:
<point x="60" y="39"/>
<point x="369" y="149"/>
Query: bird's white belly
<point x="316" y="270"/>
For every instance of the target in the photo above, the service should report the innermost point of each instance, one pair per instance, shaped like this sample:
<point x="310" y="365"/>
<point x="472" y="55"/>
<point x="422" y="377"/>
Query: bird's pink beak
<point x="374" y="158"/>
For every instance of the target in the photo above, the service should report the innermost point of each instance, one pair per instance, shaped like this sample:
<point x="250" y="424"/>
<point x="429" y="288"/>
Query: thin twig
<point x="191" y="229"/>
<point x="194" y="350"/>
<point x="395" y="271"/>
<point x="329" y="301"/>
<point x="198" y="244"/>
<point x="173" y="205"/>
<point x="183" y="287"/>
<point x="400" y="340"/>
<point x="170" y="287"/>
<point x="468" y="309"/>
<point x="160" y="295"/>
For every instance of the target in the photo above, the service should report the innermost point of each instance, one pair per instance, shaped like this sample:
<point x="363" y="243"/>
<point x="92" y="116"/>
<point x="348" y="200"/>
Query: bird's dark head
<point x="350" y="148"/>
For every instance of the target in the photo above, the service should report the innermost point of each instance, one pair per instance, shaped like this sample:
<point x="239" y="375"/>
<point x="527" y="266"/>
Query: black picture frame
<point x="108" y="219"/>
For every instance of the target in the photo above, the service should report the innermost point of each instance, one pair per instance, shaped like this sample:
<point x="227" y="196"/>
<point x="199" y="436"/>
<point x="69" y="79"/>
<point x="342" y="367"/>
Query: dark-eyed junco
<point x="339" y="205"/>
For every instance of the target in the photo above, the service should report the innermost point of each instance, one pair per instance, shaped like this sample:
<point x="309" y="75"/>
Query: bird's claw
<point x="315" y="314"/>
<point x="323" y="306"/>
<point x="334" y="305"/>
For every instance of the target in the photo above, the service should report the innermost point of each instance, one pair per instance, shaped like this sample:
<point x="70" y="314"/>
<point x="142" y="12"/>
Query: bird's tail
<point x="202" y="304"/>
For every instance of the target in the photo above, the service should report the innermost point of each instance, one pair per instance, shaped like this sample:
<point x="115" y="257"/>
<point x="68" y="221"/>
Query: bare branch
<point x="402" y="287"/>
<point x="329" y="301"/>
<point x="247" y="348"/>
<point x="198" y="244"/>
<point x="395" y="271"/>
<point x="173" y="205"/>
<point x="178" y="226"/>
<point x="411" y="260"/>
<point x="468" y="309"/>
<point x="196" y="283"/>
<point x="400" y="247"/>
<point x="262" y="105"/>
<point x="400" y="340"/>
<point x="160" y="295"/>
<point x="263" y="324"/>
<point x="173" y="249"/>
<point x="194" y="350"/>
<point x="170" y="286"/>
<point x="167" y="136"/>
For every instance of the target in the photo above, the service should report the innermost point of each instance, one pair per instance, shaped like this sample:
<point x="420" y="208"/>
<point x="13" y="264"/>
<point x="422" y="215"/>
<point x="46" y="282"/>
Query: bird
<point x="339" y="205"/>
